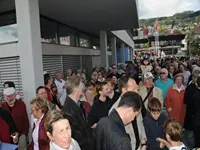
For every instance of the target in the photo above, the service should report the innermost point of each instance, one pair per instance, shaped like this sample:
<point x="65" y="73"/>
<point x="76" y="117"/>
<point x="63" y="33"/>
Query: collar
<point x="38" y="120"/>
<point x="59" y="81"/>
<point x="182" y="88"/>
<point x="54" y="146"/>
<point x="115" y="116"/>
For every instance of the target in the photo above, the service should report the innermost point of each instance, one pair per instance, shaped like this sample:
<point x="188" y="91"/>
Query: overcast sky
<point x="159" y="8"/>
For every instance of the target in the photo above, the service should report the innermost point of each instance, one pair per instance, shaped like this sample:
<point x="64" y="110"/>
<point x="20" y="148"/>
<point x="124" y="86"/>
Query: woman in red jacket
<point x="52" y="97"/>
<point x="40" y="140"/>
<point x="174" y="99"/>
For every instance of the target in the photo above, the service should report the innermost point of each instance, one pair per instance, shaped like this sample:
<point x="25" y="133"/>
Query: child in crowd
<point x="153" y="124"/>
<point x="173" y="133"/>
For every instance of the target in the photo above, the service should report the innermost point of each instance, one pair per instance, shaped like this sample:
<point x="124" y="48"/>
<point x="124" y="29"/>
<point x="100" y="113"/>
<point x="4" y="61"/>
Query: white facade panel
<point x="124" y="36"/>
<point x="53" y="49"/>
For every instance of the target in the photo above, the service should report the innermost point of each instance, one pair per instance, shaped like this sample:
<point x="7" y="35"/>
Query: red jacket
<point x="43" y="140"/>
<point x="174" y="100"/>
<point x="4" y="132"/>
<point x="86" y="107"/>
<point x="19" y="115"/>
<point x="50" y="97"/>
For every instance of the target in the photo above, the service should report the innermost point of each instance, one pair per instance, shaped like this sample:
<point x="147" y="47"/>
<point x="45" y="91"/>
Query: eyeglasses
<point x="162" y="73"/>
<point x="155" y="112"/>
<point x="114" y="68"/>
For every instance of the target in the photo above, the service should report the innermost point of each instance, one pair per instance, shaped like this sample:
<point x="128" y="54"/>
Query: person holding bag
<point x="148" y="91"/>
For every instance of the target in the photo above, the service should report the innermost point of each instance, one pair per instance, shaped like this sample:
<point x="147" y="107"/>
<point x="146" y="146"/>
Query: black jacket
<point x="98" y="110"/>
<point x="188" y="101"/>
<point x="154" y="129"/>
<point x="81" y="131"/>
<point x="111" y="134"/>
<point x="196" y="104"/>
<point x="115" y="97"/>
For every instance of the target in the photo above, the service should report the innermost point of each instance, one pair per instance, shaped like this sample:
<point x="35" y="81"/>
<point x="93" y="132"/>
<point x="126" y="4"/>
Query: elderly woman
<point x="42" y="94"/>
<point x="175" y="99"/>
<point x="59" y="132"/>
<point x="40" y="140"/>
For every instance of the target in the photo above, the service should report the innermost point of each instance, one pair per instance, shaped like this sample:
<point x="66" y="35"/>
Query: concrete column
<point x="122" y="53"/>
<point x="114" y="50"/>
<point x="131" y="53"/>
<point x="29" y="47"/>
<point x="103" y="48"/>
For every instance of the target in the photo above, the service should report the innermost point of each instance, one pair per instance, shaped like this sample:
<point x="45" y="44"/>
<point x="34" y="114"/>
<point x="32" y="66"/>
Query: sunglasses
<point x="162" y="73"/>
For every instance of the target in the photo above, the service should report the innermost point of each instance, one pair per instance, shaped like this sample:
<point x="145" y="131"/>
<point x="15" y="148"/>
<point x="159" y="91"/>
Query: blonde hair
<point x="53" y="116"/>
<point x="174" y="129"/>
<point x="38" y="103"/>
<point x="179" y="75"/>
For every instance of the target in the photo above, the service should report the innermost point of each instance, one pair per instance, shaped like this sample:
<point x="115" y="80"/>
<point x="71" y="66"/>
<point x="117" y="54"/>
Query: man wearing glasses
<point x="164" y="83"/>
<point x="114" y="72"/>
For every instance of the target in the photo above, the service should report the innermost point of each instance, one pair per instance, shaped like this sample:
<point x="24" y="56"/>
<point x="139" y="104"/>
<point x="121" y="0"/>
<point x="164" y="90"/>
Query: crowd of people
<point x="139" y="105"/>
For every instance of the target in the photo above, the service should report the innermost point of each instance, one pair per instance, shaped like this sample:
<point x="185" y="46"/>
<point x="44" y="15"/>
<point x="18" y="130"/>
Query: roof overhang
<point x="161" y="38"/>
<point x="88" y="16"/>
<point x="92" y="15"/>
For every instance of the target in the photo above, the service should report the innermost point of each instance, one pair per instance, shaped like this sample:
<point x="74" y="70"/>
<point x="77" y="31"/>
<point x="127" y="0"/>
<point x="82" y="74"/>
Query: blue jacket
<point x="154" y="129"/>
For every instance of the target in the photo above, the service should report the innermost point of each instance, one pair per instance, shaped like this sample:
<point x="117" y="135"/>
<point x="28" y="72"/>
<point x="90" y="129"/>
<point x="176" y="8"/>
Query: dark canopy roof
<point x="161" y="38"/>
<point x="89" y="16"/>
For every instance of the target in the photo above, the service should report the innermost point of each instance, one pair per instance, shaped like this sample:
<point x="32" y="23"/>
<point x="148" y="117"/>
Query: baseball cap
<point x="147" y="75"/>
<point x="9" y="91"/>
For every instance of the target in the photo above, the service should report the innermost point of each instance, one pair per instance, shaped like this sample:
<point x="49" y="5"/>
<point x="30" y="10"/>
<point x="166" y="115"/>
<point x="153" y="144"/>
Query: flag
<point x="156" y="25"/>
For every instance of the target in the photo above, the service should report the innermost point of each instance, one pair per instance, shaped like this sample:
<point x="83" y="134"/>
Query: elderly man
<point x="17" y="109"/>
<point x="81" y="131"/>
<point x="135" y="129"/>
<point x="164" y="83"/>
<point x="148" y="89"/>
<point x="60" y="83"/>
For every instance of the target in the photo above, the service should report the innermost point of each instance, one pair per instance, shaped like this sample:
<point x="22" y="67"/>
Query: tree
<point x="193" y="43"/>
<point x="163" y="31"/>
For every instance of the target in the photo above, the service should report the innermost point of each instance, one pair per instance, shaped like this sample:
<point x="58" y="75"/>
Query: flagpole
<point x="156" y="37"/>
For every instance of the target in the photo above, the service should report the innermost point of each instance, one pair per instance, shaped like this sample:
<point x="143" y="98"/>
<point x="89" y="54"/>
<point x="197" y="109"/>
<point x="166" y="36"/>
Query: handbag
<point x="144" y="110"/>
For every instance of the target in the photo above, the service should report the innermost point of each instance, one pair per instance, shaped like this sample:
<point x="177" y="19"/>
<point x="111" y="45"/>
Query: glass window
<point x="8" y="33"/>
<point x="48" y="31"/>
<point x="84" y="40"/>
<point x="95" y="42"/>
<point x="84" y="43"/>
<point x="67" y="36"/>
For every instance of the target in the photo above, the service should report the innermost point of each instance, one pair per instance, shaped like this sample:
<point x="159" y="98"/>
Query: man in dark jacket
<point x="81" y="131"/>
<point x="110" y="131"/>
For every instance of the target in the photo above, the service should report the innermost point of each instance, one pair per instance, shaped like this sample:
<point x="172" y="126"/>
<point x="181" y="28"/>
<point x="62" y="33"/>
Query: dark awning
<point x="92" y="15"/>
<point x="161" y="38"/>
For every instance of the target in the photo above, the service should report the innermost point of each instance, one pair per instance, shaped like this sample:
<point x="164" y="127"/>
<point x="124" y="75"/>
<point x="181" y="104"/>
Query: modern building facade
<point x="43" y="35"/>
